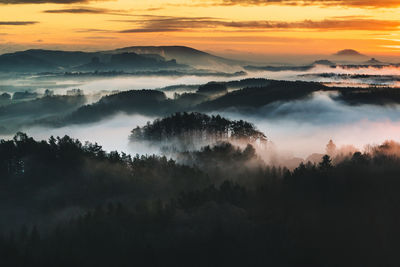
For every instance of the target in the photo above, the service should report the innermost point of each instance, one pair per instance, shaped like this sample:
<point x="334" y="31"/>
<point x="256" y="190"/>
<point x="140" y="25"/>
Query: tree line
<point x="64" y="203"/>
<point x="196" y="127"/>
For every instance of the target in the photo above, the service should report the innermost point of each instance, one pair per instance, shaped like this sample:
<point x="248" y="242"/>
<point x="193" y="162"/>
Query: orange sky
<point x="225" y="26"/>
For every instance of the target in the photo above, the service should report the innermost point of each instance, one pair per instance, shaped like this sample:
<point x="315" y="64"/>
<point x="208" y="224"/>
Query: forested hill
<point x="253" y="97"/>
<point x="155" y="103"/>
<point x="247" y="96"/>
<point x="188" y="127"/>
<point x="64" y="203"/>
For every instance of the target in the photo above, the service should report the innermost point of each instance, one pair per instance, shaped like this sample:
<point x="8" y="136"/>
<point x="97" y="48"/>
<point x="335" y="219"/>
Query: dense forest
<point x="37" y="111"/>
<point x="247" y="96"/>
<point x="193" y="128"/>
<point x="209" y="97"/>
<point x="65" y="203"/>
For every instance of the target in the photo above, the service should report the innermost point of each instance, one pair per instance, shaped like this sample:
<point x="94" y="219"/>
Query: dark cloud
<point x="153" y="9"/>
<point x="170" y="24"/>
<point x="44" y="1"/>
<point x="348" y="3"/>
<point x="88" y="10"/>
<point x="18" y="23"/>
<point x="151" y="30"/>
<point x="78" y="10"/>
<point x="101" y="37"/>
<point x="327" y="24"/>
<point x="92" y="30"/>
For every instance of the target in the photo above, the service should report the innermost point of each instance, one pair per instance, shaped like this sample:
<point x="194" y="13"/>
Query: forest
<point x="65" y="203"/>
<point x="209" y="198"/>
<point x="195" y="128"/>
<point x="205" y="133"/>
<point x="248" y="96"/>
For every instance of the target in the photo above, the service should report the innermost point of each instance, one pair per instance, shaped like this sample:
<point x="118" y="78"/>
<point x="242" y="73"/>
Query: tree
<point x="326" y="163"/>
<point x="331" y="148"/>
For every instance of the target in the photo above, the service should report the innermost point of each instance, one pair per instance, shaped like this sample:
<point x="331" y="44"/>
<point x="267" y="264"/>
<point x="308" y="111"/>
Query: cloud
<point x="171" y="24"/>
<point x="101" y="37"/>
<point x="78" y="10"/>
<point x="10" y="2"/>
<point x="87" y="10"/>
<point x="17" y="23"/>
<point x="151" y="30"/>
<point x="347" y="3"/>
<point x="153" y="9"/>
<point x="327" y="24"/>
<point x="92" y="30"/>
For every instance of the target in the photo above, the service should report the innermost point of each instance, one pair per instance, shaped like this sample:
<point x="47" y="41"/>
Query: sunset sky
<point x="224" y="26"/>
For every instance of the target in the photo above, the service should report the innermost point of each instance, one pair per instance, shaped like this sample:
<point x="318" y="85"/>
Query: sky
<point x="221" y="26"/>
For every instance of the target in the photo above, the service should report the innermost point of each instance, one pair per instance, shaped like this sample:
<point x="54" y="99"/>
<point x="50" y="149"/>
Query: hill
<point x="182" y="54"/>
<point x="324" y="62"/>
<point x="129" y="58"/>
<point x="189" y="129"/>
<point x="374" y="61"/>
<point x="52" y="60"/>
<point x="349" y="53"/>
<point x="254" y="97"/>
<point x="49" y="60"/>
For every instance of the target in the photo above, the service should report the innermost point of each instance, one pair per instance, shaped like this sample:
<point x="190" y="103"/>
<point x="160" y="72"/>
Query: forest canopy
<point x="65" y="203"/>
<point x="189" y="128"/>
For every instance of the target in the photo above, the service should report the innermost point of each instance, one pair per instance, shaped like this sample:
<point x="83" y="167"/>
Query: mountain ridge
<point x="349" y="53"/>
<point x="150" y="56"/>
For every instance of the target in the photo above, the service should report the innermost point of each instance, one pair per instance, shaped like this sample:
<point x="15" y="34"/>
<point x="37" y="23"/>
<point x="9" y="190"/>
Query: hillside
<point x="182" y="54"/>
<point x="129" y="58"/>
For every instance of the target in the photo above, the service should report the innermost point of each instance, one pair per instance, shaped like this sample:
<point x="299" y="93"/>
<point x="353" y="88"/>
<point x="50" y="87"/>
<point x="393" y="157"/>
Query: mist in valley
<point x="347" y="75"/>
<point x="275" y="160"/>
<point x="220" y="133"/>
<point x="295" y="129"/>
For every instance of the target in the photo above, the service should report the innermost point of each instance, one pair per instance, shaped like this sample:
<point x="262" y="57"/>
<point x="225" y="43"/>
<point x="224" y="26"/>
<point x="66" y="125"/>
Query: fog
<point x="95" y="85"/>
<point x="389" y="74"/>
<point x="303" y="127"/>
<point x="112" y="134"/>
<point x="294" y="129"/>
<point x="153" y="82"/>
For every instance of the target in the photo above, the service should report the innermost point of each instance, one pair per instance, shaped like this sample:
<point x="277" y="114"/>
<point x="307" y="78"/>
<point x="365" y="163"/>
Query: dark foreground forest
<point x="64" y="203"/>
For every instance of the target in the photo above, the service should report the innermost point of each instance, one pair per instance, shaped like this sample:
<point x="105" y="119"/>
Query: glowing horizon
<point x="226" y="26"/>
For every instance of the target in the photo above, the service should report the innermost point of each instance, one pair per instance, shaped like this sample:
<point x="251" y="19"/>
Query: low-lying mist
<point x="112" y="134"/>
<point x="303" y="127"/>
<point x="295" y="129"/>
<point x="92" y="86"/>
<point x="96" y="86"/>
<point x="340" y="75"/>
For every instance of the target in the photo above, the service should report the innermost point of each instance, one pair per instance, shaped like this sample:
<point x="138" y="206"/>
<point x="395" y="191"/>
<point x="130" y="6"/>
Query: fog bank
<point x="296" y="128"/>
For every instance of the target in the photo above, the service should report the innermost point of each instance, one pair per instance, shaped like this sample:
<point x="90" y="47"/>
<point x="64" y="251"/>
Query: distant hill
<point x="324" y="62"/>
<point x="374" y="61"/>
<point x="19" y="114"/>
<point x="255" y="97"/>
<point x="52" y="60"/>
<point x="24" y="62"/>
<point x="147" y="102"/>
<point x="38" y="60"/>
<point x="349" y="53"/>
<point x="129" y="62"/>
<point x="182" y="54"/>
<point x="49" y="60"/>
<point x="278" y="68"/>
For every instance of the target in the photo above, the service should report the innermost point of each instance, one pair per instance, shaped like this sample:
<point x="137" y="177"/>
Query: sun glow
<point x="208" y="25"/>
